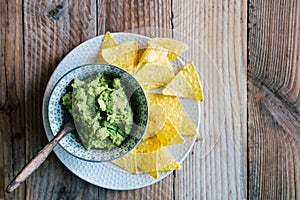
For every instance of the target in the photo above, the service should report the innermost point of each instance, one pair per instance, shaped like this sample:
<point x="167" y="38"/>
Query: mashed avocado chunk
<point x="101" y="111"/>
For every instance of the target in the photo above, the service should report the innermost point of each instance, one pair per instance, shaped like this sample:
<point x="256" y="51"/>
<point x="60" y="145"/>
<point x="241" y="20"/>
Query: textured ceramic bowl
<point x="71" y="143"/>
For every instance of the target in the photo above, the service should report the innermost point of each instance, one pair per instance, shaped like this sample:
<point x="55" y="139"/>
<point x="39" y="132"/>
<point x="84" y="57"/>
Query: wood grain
<point x="274" y="47"/>
<point x="274" y="99"/>
<point x="12" y="124"/>
<point x="51" y="30"/>
<point x="148" y="18"/>
<point x="219" y="28"/>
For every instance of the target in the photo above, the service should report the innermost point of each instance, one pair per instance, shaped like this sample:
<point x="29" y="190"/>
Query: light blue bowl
<point x="71" y="143"/>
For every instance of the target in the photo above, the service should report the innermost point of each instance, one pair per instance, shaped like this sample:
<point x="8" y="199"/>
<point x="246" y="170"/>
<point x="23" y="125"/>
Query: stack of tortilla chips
<point x="168" y="123"/>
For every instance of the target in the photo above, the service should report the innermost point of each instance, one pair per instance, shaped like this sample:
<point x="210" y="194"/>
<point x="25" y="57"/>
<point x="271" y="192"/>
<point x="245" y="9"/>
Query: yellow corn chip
<point x="127" y="162"/>
<point x="153" y="74"/>
<point x="154" y="54"/>
<point x="181" y="120"/>
<point x="174" y="165"/>
<point x="107" y="41"/>
<point x="154" y="174"/>
<point x="160" y="160"/>
<point x="149" y="145"/>
<point x="174" y="47"/>
<point x="124" y="55"/>
<point x="164" y="159"/>
<point x="147" y="162"/>
<point x="169" y="135"/>
<point x="154" y="68"/>
<point x="157" y="120"/>
<point x="185" y="84"/>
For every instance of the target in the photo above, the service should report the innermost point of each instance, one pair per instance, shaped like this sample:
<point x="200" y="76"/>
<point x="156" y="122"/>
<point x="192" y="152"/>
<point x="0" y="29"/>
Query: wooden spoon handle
<point x="38" y="159"/>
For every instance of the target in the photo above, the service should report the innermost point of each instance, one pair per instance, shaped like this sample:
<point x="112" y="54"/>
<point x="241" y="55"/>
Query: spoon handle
<point x="39" y="158"/>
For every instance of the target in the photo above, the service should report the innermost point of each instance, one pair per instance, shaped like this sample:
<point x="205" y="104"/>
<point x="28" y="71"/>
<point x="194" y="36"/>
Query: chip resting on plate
<point x="181" y="120"/>
<point x="169" y="135"/>
<point x="157" y="118"/>
<point x="185" y="84"/>
<point x="175" y="112"/>
<point x="154" y="69"/>
<point x="124" y="55"/>
<point x="127" y="162"/>
<point x="175" y="48"/>
<point x="107" y="42"/>
<point x="165" y="162"/>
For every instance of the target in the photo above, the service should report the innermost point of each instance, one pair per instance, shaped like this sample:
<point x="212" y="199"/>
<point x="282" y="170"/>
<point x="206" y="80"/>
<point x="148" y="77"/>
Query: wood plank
<point x="219" y="28"/>
<point x="151" y="18"/>
<point x="274" y="145"/>
<point x="274" y="99"/>
<point x="51" y="30"/>
<point x="274" y="47"/>
<point x="12" y="124"/>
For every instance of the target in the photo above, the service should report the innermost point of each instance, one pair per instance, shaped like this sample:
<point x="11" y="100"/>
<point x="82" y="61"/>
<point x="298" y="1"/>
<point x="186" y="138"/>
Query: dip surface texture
<point x="102" y="113"/>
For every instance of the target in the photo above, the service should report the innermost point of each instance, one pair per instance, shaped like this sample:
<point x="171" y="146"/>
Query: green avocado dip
<point x="101" y="111"/>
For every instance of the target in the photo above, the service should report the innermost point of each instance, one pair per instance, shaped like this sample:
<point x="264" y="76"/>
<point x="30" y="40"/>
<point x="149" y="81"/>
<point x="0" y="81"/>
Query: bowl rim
<point x="99" y="64"/>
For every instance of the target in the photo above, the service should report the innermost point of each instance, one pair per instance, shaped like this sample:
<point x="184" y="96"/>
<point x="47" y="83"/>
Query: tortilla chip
<point x="147" y="162"/>
<point x="173" y="166"/>
<point x="154" y="174"/>
<point x="127" y="62"/>
<point x="181" y="120"/>
<point x="154" y="69"/>
<point x="149" y="145"/>
<point x="157" y="120"/>
<point x="127" y="162"/>
<point x="164" y="159"/>
<point x="160" y="160"/>
<point x="107" y="42"/>
<point x="174" y="47"/>
<point x="185" y="84"/>
<point x="154" y="54"/>
<point x="124" y="55"/>
<point x="167" y="102"/>
<point x="168" y="135"/>
<point x="154" y="74"/>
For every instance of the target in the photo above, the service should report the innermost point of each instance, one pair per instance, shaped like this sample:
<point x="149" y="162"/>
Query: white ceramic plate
<point x="106" y="174"/>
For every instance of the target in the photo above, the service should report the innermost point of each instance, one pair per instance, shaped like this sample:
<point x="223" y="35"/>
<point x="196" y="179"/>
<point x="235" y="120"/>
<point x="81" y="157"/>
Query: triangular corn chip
<point x="175" y="48"/>
<point x="124" y="55"/>
<point x="154" y="54"/>
<point x="154" y="74"/>
<point x="107" y="41"/>
<point x="185" y="84"/>
<point x="127" y="162"/>
<point x="156" y="120"/>
<point x="166" y="157"/>
<point x="175" y="112"/>
<point x="149" y="145"/>
<point x="169" y="135"/>
<point x="181" y="120"/>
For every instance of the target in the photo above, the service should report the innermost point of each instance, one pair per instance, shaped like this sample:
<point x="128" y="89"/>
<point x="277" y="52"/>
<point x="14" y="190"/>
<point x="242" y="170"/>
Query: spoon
<point x="34" y="163"/>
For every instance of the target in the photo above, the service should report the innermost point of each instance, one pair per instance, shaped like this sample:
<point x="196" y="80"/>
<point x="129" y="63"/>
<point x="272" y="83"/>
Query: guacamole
<point x="101" y="111"/>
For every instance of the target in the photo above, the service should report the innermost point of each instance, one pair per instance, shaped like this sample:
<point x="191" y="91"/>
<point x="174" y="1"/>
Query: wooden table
<point x="255" y="46"/>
